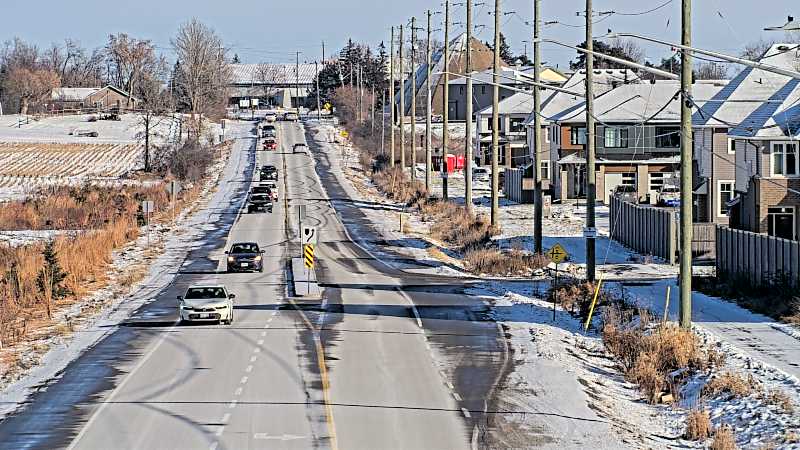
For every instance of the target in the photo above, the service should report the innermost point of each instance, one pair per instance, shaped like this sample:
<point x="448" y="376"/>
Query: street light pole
<point x="446" y="93"/>
<point x="590" y="150"/>
<point x="413" y="98"/>
<point x="468" y="125"/>
<point x="402" y="106"/>
<point x="537" y="133"/>
<point x="428" y="112"/>
<point x="686" y="168"/>
<point x="391" y="99"/>
<point x="495" y="211"/>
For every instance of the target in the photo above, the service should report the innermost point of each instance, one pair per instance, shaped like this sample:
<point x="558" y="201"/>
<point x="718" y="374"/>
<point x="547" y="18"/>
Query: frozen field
<point x="15" y="128"/>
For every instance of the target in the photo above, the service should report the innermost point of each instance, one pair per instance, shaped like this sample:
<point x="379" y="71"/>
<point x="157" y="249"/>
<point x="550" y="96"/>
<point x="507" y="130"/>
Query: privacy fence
<point x="646" y="230"/>
<point x="762" y="260"/>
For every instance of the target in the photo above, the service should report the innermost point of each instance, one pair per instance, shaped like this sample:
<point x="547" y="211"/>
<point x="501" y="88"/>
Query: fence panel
<point x="762" y="260"/>
<point x="646" y="230"/>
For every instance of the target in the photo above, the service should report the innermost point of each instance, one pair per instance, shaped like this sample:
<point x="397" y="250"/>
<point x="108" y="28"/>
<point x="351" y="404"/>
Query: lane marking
<point x="213" y="446"/>
<point x="260" y="342"/>
<point x="411" y="303"/>
<point x="244" y="380"/>
<point x="256" y="350"/>
<point x="274" y="313"/>
<point x="226" y="418"/>
<point x="263" y="333"/>
<point x="253" y="359"/>
<point x="457" y="397"/>
<point x="466" y="413"/>
<point x="232" y="404"/>
<point x="266" y="326"/>
<point x="249" y="369"/>
<point x="121" y="385"/>
<point x="238" y="391"/>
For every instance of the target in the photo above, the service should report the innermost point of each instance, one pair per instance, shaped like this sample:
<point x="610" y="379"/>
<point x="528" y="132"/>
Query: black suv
<point x="268" y="173"/>
<point x="258" y="202"/>
<point x="245" y="256"/>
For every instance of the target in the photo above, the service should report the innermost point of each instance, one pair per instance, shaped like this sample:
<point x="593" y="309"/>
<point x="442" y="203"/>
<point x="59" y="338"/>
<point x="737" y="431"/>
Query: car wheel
<point x="230" y="318"/>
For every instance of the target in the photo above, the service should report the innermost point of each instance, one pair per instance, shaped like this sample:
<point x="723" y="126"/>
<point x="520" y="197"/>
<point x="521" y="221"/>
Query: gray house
<point x="482" y="91"/>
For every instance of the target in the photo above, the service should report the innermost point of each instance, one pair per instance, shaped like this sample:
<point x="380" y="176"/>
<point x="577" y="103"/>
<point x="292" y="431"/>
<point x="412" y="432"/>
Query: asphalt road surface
<point x="385" y="360"/>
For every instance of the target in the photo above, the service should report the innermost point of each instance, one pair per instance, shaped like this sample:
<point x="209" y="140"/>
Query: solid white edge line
<point x="116" y="390"/>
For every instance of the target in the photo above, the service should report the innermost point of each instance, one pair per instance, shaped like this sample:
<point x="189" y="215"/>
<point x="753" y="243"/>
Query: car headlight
<point x="230" y="259"/>
<point x="185" y="307"/>
<point x="258" y="258"/>
<point x="222" y="307"/>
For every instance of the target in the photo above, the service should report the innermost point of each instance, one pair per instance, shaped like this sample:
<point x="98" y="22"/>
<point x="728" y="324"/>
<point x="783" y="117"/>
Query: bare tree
<point x="154" y="109"/>
<point x="74" y="65"/>
<point x="711" y="71"/>
<point x="269" y="76"/>
<point x="129" y="61"/>
<point x="204" y="71"/>
<point x="756" y="49"/>
<point x="30" y="86"/>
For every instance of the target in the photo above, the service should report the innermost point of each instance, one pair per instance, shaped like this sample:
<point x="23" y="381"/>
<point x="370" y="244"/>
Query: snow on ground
<point x="16" y="128"/>
<point x="26" y="237"/>
<point x="168" y="247"/>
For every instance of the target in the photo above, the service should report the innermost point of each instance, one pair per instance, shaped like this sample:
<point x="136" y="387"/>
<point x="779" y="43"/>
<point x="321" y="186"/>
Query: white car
<point x="206" y="304"/>
<point x="480" y="174"/>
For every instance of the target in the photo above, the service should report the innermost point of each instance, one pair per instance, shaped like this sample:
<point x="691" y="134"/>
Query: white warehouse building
<point x="278" y="85"/>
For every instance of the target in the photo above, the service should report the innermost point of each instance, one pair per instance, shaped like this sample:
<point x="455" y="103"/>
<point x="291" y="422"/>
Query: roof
<point x="507" y="76"/>
<point x="519" y="103"/>
<point x="574" y="158"/>
<point x="757" y="103"/>
<point x="281" y="74"/>
<point x="657" y="102"/>
<point x="559" y="105"/>
<point x="67" y="94"/>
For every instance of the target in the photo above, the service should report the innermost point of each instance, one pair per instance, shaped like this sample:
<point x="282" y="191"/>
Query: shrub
<point x="724" y="439"/>
<point x="50" y="279"/>
<point x="731" y="384"/>
<point x="495" y="262"/>
<point x="698" y="425"/>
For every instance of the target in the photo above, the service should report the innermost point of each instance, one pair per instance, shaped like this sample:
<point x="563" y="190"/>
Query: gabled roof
<point x="67" y="94"/>
<point x="758" y="103"/>
<point x="657" y="102"/>
<point x="508" y="75"/>
<point x="519" y="103"/>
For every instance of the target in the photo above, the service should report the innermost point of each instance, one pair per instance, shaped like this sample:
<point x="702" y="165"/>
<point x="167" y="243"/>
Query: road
<point x="385" y="360"/>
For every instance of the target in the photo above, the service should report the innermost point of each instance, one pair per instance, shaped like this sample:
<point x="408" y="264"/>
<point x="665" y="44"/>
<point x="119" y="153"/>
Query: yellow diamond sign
<point x="557" y="254"/>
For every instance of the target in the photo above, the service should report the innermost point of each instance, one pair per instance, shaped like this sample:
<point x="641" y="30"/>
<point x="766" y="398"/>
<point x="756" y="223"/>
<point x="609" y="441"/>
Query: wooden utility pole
<point x="428" y="111"/>
<point x="402" y="106"/>
<point x="446" y="93"/>
<point x="537" y="127"/>
<point x="591" y="181"/>
<point x="413" y="98"/>
<point x="686" y="168"/>
<point x="495" y="216"/>
<point x="468" y="128"/>
<point x="297" y="83"/>
<point x="391" y="100"/>
<point x="319" y="106"/>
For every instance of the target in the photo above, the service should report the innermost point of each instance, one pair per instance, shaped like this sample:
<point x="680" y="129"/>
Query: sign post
<point x="173" y="188"/>
<point x="309" y="240"/>
<point x="557" y="255"/>
<point x="148" y="207"/>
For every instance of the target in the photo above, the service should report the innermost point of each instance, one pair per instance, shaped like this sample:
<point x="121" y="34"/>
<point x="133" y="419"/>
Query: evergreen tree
<point x="236" y="59"/>
<point x="51" y="278"/>
<point x="505" y="49"/>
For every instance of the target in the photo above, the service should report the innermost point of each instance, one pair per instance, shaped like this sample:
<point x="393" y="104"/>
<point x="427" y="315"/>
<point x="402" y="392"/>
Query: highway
<point x="385" y="360"/>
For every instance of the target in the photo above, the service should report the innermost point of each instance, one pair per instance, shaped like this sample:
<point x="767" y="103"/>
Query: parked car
<point x="291" y="116"/>
<point x="259" y="202"/>
<point x="245" y="256"/>
<point x="669" y="195"/>
<point x="299" y="148"/>
<point x="206" y="304"/>
<point x="626" y="193"/>
<point x="480" y="174"/>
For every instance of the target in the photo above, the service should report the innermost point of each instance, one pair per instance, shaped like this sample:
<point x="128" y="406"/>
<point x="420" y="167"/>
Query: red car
<point x="270" y="144"/>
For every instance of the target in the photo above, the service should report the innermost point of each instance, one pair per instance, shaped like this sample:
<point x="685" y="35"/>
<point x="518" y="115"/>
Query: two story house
<point x="637" y="134"/>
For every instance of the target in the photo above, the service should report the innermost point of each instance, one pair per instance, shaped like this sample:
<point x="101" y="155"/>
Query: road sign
<point x="173" y="188"/>
<point x="345" y="133"/>
<point x="148" y="207"/>
<point x="308" y="255"/>
<point x="590" y="233"/>
<point x="309" y="235"/>
<point x="557" y="254"/>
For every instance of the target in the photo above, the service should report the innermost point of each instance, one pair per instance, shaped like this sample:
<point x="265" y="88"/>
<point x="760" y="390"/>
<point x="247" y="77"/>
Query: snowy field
<point x="16" y="128"/>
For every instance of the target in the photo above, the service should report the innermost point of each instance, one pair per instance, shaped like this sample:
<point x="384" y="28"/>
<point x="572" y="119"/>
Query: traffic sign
<point x="148" y="207"/>
<point x="173" y="188"/>
<point x="557" y="254"/>
<point x="345" y="133"/>
<point x="308" y="255"/>
<point x="309" y="235"/>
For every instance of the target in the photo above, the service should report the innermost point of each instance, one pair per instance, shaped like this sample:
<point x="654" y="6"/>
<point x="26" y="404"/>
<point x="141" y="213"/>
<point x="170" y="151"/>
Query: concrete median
<point x="304" y="280"/>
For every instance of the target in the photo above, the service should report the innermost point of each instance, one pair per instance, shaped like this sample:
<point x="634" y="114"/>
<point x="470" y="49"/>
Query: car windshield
<point x="205" y="293"/>
<point x="244" y="248"/>
<point x="670" y="189"/>
<point x="626" y="189"/>
<point x="260" y="198"/>
<point x="260" y="190"/>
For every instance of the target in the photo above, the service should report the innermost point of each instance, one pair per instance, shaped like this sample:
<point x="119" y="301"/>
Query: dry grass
<point x="731" y="384"/>
<point x="724" y="439"/>
<point x="492" y="261"/>
<point x="396" y="185"/>
<point x="456" y="226"/>
<point x="698" y="425"/>
<point x="648" y="353"/>
<point x="780" y="399"/>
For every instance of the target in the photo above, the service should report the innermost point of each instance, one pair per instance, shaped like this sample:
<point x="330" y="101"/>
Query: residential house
<point x="637" y="137"/>
<point x="761" y="112"/>
<point x="483" y="91"/>
<point x="91" y="98"/>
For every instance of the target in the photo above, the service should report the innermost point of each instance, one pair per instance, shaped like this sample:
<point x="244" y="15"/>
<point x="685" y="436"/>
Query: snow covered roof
<point x="757" y="103"/>
<point x="574" y="158"/>
<point x="67" y="94"/>
<point x="281" y="74"/>
<point x="657" y="101"/>
<point x="519" y="103"/>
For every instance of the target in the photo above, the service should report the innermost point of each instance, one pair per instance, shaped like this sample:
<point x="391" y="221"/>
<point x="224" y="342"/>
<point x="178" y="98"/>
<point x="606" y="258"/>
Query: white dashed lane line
<point x="466" y="413"/>
<point x="456" y="396"/>
<point x="253" y="359"/>
<point x="244" y="380"/>
<point x="260" y="342"/>
<point x="249" y="369"/>
<point x="238" y="391"/>
<point x="232" y="404"/>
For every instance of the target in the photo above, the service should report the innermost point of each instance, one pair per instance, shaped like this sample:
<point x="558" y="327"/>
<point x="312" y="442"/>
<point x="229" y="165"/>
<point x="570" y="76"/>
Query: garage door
<point x="612" y="180"/>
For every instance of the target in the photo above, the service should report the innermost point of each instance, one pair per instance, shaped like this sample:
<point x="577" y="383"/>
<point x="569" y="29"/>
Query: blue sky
<point x="270" y="30"/>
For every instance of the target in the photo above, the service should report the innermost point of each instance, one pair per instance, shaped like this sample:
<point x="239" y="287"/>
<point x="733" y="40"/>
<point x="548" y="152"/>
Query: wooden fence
<point x="646" y="230"/>
<point x="763" y="260"/>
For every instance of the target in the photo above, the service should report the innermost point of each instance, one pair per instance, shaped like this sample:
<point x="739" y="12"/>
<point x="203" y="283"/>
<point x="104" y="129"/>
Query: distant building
<point x="91" y="98"/>
<point x="279" y="85"/>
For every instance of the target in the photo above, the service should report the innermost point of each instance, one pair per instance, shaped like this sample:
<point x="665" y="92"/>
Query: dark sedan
<point x="245" y="256"/>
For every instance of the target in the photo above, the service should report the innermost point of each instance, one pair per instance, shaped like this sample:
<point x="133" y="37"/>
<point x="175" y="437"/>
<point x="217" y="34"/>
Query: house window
<point x="668" y="137"/>
<point x="784" y="159"/>
<point x="731" y="147"/>
<point x="577" y="135"/>
<point x="780" y="222"/>
<point x="545" y="166"/>
<point x="517" y="124"/>
<point x="658" y="179"/>
<point x="725" y="189"/>
<point x="547" y="136"/>
<point x="615" y="137"/>
<point x="629" y="179"/>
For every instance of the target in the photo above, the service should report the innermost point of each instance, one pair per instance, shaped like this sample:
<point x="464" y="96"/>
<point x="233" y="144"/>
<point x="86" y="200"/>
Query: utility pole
<point x="323" y="52"/>
<point x="319" y="107"/>
<point x="686" y="168"/>
<point x="402" y="106"/>
<point x="428" y="158"/>
<point x="468" y="129"/>
<point x="446" y="96"/>
<point x="591" y="178"/>
<point x="413" y="98"/>
<point x="383" y="123"/>
<point x="537" y="127"/>
<point x="297" y="83"/>
<point x="495" y="219"/>
<point x="391" y="100"/>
